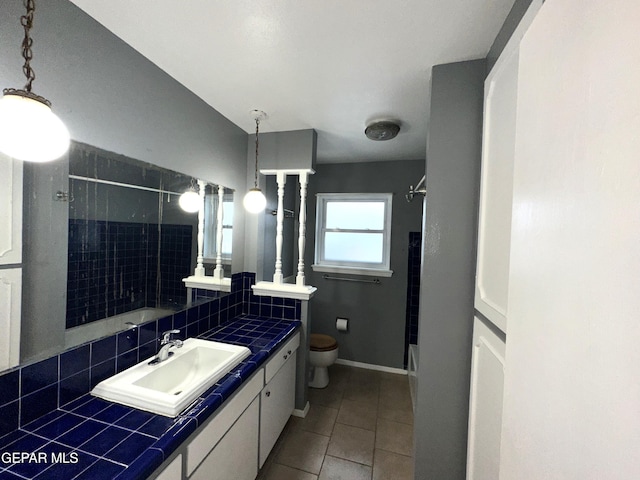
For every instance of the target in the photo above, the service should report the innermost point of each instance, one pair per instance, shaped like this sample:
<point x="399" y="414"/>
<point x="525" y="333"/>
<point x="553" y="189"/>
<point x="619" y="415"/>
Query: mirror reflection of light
<point x="254" y="201"/>
<point x="190" y="201"/>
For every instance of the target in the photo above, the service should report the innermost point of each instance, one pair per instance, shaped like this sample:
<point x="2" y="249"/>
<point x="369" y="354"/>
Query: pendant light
<point x="29" y="130"/>
<point x="189" y="201"/>
<point x="255" y="201"/>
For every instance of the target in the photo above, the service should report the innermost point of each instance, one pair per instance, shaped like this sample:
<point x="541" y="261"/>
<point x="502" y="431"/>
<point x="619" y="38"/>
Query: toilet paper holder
<point x="342" y="324"/>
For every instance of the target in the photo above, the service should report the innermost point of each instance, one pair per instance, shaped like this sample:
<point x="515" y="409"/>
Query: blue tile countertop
<point x="92" y="439"/>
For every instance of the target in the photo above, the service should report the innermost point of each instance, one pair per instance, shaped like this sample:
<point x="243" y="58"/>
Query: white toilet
<point x="323" y="352"/>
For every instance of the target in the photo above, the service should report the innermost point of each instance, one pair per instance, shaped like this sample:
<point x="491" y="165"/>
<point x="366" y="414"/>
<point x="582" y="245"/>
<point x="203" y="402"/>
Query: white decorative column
<point x="199" y="272"/>
<point x="281" y="178"/>
<point x="278" y="288"/>
<point x="218" y="273"/>
<point x="304" y="179"/>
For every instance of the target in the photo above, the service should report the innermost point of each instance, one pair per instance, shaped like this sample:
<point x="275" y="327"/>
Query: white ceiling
<point x="331" y="65"/>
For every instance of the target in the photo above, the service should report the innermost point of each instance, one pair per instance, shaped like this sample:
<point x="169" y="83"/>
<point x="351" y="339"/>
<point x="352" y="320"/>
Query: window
<point x="210" y="227"/>
<point x="353" y="233"/>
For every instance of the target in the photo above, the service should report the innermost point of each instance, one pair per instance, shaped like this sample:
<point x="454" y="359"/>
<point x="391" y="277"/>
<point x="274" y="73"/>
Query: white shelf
<point x="284" y="290"/>
<point x="208" y="283"/>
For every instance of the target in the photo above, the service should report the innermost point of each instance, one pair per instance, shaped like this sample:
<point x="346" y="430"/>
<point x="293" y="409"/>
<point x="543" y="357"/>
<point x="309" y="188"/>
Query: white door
<point x="485" y="403"/>
<point x="572" y="377"/>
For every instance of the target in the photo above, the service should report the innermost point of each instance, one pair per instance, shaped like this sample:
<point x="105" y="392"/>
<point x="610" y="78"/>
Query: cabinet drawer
<point x="280" y="357"/>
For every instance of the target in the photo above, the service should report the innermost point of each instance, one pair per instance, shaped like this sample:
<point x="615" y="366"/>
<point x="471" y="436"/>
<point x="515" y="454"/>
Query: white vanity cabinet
<point x="236" y="441"/>
<point x="277" y="399"/>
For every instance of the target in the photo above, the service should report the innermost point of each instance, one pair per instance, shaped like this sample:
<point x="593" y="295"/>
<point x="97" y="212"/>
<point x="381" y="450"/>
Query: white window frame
<point x="381" y="269"/>
<point x="211" y="228"/>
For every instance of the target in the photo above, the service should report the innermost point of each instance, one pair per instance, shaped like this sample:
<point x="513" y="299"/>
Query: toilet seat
<point x="322" y="343"/>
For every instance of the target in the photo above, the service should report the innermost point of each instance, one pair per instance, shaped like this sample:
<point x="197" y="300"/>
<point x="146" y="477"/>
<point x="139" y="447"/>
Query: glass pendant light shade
<point x="30" y="131"/>
<point x="190" y="201"/>
<point x="254" y="201"/>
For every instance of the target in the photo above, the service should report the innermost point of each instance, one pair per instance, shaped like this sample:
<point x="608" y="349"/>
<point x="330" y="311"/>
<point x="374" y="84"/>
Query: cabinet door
<point x="214" y="430"/>
<point x="10" y="254"/>
<point x="494" y="227"/>
<point x="235" y="457"/>
<point x="10" y="211"/>
<point x="496" y="188"/>
<point x="485" y="403"/>
<point x="276" y="405"/>
<point x="173" y="471"/>
<point x="10" y="307"/>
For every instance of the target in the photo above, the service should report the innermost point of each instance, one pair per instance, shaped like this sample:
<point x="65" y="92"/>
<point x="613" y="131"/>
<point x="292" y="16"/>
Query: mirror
<point x="117" y="230"/>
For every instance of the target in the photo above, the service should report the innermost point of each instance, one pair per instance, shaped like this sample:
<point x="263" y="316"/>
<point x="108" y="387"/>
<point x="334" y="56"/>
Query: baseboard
<point x="369" y="366"/>
<point x="301" y="413"/>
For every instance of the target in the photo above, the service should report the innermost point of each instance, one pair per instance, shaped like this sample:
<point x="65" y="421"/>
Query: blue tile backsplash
<point x="31" y="396"/>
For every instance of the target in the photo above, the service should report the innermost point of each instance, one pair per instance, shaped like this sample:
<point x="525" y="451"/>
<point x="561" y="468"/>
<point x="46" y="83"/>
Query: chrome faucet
<point x="166" y="343"/>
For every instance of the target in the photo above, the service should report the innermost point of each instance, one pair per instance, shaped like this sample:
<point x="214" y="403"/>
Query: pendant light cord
<point x="256" y="175"/>
<point x="27" y="22"/>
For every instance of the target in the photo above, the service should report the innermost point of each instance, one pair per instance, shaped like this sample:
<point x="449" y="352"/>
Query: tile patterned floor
<point x="358" y="428"/>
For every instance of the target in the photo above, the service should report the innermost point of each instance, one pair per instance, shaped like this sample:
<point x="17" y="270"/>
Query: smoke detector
<point x="384" y="130"/>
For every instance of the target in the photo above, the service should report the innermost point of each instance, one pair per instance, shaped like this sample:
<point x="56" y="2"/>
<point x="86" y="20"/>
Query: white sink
<point x="168" y="387"/>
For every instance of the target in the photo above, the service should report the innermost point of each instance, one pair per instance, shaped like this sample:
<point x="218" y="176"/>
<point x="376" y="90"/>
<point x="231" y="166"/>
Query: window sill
<point x="372" y="272"/>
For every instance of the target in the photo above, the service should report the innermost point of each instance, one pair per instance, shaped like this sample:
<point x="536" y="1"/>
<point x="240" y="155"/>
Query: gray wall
<point x="448" y="270"/>
<point x="295" y="149"/>
<point x="376" y="312"/>
<point x="511" y="22"/>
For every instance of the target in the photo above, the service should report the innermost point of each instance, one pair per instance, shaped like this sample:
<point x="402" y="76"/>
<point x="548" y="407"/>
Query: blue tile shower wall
<point x="413" y="292"/>
<point x="113" y="268"/>
<point x="174" y="265"/>
<point x="32" y="391"/>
